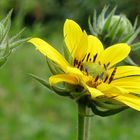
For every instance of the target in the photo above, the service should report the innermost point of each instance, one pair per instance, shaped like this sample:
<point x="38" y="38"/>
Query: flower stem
<point x="83" y="121"/>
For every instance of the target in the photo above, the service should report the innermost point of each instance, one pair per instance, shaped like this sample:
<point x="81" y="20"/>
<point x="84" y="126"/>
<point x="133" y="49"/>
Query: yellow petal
<point x="130" y="100"/>
<point x="95" y="47"/>
<point x="111" y="90"/>
<point x="93" y="92"/>
<point x="114" y="54"/>
<point x="122" y="96"/>
<point x="47" y="50"/>
<point x="68" y="78"/>
<point x="123" y="71"/>
<point x="81" y="49"/>
<point x="72" y="34"/>
<point x="132" y="84"/>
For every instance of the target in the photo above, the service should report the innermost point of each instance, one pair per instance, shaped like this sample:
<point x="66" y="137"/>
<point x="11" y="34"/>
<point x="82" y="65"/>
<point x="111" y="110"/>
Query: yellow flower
<point x="93" y="68"/>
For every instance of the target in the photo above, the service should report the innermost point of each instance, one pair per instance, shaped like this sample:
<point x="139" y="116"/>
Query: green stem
<point x="83" y="122"/>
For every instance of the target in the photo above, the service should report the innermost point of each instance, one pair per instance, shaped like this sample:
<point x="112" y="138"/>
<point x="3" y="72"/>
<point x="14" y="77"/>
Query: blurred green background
<point x="28" y="111"/>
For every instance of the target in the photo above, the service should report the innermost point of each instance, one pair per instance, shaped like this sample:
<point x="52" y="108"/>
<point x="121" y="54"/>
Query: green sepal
<point x="54" y="68"/>
<point x="130" y="37"/>
<point x="59" y="90"/>
<point x="77" y="95"/>
<point x="42" y="81"/>
<point x="105" y="113"/>
<point x="67" y="55"/>
<point x="107" y="105"/>
<point x="129" y="61"/>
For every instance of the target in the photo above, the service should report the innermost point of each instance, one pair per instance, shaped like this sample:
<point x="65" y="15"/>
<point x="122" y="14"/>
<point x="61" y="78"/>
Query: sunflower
<point x="94" y="70"/>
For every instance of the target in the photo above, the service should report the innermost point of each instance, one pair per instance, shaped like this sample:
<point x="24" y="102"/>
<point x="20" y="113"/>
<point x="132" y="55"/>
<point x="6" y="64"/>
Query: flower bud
<point x="112" y="29"/>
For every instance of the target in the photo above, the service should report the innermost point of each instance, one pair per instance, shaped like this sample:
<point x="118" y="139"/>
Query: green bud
<point x="112" y="28"/>
<point x="124" y="25"/>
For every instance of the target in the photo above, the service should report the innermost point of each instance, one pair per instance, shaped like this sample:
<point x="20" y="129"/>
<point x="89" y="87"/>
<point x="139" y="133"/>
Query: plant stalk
<point x="83" y="122"/>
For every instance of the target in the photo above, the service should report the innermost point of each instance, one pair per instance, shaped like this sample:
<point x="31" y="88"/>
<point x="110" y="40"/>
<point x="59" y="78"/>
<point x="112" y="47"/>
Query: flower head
<point x="92" y="72"/>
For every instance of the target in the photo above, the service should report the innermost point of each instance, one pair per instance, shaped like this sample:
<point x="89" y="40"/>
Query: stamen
<point x="99" y="63"/>
<point x="88" y="56"/>
<point x="81" y="67"/>
<point x="94" y="57"/>
<point x="102" y="74"/>
<point x="96" y="79"/>
<point x="105" y="78"/>
<point x="86" y="71"/>
<point x="75" y="62"/>
<point x="83" y="58"/>
<point x="79" y="64"/>
<point x="108" y="64"/>
<point x="112" y="75"/>
<point x="105" y="66"/>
